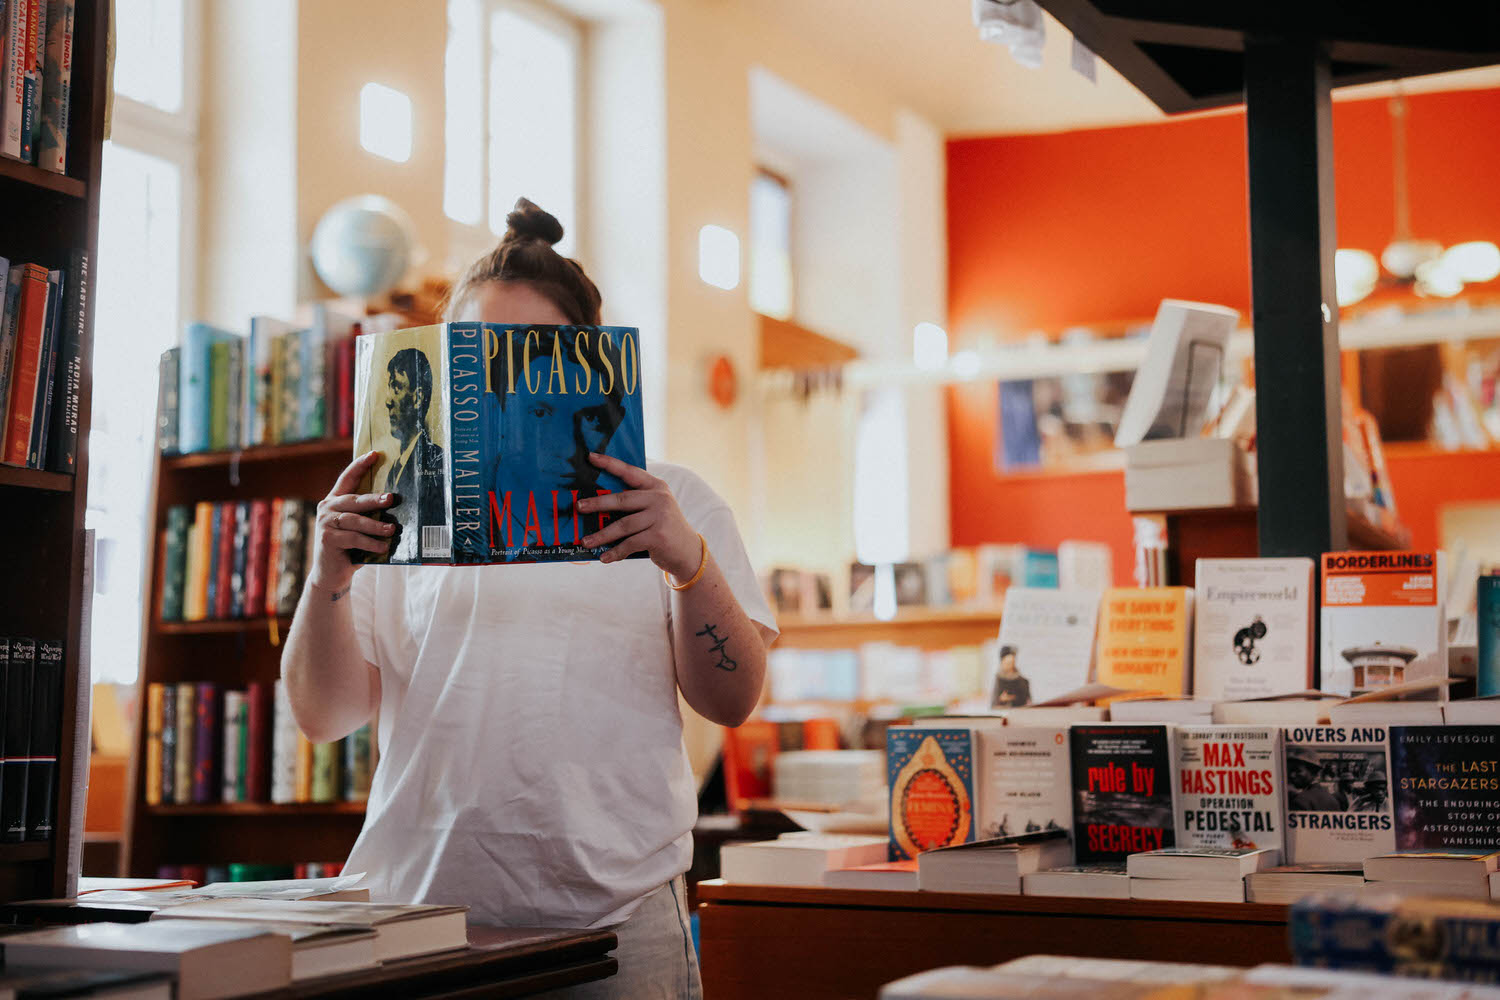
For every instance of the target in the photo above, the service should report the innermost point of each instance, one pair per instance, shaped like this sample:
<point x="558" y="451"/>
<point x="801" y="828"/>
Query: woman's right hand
<point x="341" y="526"/>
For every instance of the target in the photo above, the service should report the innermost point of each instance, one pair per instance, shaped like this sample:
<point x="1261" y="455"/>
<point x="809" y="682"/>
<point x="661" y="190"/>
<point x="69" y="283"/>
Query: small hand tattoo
<point x="725" y="663"/>
<point x="340" y="594"/>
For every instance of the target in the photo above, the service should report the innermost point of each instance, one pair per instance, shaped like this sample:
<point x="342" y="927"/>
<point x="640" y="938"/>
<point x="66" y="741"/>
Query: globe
<point x="362" y="245"/>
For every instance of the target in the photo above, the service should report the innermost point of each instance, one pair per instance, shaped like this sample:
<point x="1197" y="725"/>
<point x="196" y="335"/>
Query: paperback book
<point x="932" y="788"/>
<point x="1229" y="788"/>
<point x="1023" y="781"/>
<point x="1046" y="644"/>
<point x="1338" y="805"/>
<point x="485" y="432"/>
<point x="1384" y="621"/>
<point x="1122" y="791"/>
<point x="1253" y="634"/>
<point x="1447" y="787"/>
<point x="1145" y="639"/>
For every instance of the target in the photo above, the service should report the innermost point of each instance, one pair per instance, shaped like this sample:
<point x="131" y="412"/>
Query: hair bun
<point x="528" y="221"/>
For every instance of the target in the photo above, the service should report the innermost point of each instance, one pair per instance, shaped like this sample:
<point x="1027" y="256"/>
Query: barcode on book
<point x="436" y="541"/>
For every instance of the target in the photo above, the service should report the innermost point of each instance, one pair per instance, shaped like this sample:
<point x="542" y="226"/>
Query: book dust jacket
<point x="931" y="775"/>
<point x="1447" y="787"/>
<point x="1122" y="791"/>
<point x="1229" y="787"/>
<point x="485" y="430"/>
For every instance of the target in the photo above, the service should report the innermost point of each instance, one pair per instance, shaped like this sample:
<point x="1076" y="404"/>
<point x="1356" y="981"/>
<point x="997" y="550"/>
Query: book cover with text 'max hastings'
<point x="485" y="431"/>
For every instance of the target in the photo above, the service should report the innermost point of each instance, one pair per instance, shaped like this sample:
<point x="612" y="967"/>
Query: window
<point x="146" y="223"/>
<point x="512" y="77"/>
<point x="771" y="245"/>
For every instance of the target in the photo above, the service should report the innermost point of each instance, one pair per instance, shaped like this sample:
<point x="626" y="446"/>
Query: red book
<point x="343" y="382"/>
<point x="197" y="874"/>
<point x="223" y="592"/>
<point x="255" y="559"/>
<point x="206" y="742"/>
<point x="258" y="751"/>
<point x="273" y="553"/>
<point x="27" y="366"/>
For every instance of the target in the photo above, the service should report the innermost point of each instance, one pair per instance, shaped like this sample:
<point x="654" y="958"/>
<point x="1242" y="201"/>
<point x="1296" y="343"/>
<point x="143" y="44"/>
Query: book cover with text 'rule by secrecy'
<point x="485" y="431"/>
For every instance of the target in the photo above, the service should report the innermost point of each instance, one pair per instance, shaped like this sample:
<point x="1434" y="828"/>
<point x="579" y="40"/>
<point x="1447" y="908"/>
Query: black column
<point x="1295" y="311"/>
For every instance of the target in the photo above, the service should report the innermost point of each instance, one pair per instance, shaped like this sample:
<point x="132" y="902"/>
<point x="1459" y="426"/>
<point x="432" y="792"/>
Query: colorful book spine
<point x="234" y="388"/>
<point x="169" y="743"/>
<point x="326" y="780"/>
<point x="166" y="401"/>
<point x="46" y="739"/>
<point x="258" y="742"/>
<point x="224" y="563"/>
<point x="241" y="749"/>
<point x="358" y="769"/>
<point x="14" y="781"/>
<point x="273" y="554"/>
<point x="291" y="552"/>
<point x="284" y="736"/>
<point x="31" y="80"/>
<point x="155" y="700"/>
<point x="195" y="567"/>
<point x="276" y="376"/>
<point x="1334" y="930"/>
<point x="26" y="374"/>
<point x="234" y="722"/>
<point x="304" y="770"/>
<point x="218" y="396"/>
<point x="41" y="413"/>
<point x="255" y="558"/>
<point x="343" y="381"/>
<point x="62" y="449"/>
<point x="13" y="90"/>
<point x="57" y="80"/>
<point x="175" y="563"/>
<point x="207" y="741"/>
<point x="9" y="311"/>
<point x="239" y="559"/>
<point x="312" y="401"/>
<point x="194" y="413"/>
<point x="182" y="778"/>
<point x="215" y="535"/>
<point x="290" y="358"/>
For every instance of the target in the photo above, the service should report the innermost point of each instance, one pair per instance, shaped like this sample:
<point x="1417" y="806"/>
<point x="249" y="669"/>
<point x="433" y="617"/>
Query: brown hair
<point x="525" y="254"/>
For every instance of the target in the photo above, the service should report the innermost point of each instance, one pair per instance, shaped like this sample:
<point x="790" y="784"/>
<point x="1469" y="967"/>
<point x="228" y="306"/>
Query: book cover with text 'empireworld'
<point x="485" y="431"/>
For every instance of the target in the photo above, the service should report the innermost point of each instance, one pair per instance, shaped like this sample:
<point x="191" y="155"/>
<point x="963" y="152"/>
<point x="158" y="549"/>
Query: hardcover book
<point x="1229" y="788"/>
<point x="46" y="737"/>
<point x="1122" y="791"/>
<point x="154" y="706"/>
<point x="1145" y="639"/>
<point x="1046" y="645"/>
<point x="485" y="432"/>
<point x="16" y="739"/>
<point x="175" y="558"/>
<point x="1253" y="630"/>
<point x="1446" y="787"/>
<point x="57" y="78"/>
<point x="932" y="788"/>
<point x="1383" y="620"/>
<point x="168" y="759"/>
<point x="1023" y="781"/>
<point x="1338" y="805"/>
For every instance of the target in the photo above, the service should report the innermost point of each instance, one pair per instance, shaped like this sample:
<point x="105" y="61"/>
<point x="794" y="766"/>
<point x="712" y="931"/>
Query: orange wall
<point x="1097" y="226"/>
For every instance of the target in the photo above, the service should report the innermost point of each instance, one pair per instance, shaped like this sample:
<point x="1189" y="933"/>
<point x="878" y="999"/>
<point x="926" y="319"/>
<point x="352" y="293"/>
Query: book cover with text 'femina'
<point x="485" y="431"/>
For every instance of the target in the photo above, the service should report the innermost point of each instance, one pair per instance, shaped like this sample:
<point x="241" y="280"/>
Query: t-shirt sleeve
<point x="362" y="606"/>
<point x="723" y="538"/>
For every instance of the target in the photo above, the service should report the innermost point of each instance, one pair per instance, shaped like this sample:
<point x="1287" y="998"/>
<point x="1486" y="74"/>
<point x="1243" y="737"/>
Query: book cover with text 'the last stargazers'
<point x="485" y="431"/>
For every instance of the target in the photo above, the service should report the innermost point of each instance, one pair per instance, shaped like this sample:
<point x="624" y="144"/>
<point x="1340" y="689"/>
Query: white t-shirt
<point x="531" y="756"/>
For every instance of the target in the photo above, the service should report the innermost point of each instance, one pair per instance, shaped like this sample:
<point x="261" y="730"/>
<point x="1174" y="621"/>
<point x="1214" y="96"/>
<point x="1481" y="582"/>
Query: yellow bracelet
<point x="702" y="565"/>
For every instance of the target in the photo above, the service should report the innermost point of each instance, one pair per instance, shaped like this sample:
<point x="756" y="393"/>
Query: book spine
<point x="257" y="541"/>
<point x="257" y="767"/>
<point x="166" y="405"/>
<point x="466" y="346"/>
<point x="207" y="740"/>
<point x="273" y="554"/>
<point x="224" y="536"/>
<point x="312" y="398"/>
<point x="303" y="775"/>
<point x="14" y="89"/>
<point x="290" y="556"/>
<point x="193" y="412"/>
<point x="31" y="80"/>
<point x="211" y="570"/>
<point x="276" y="424"/>
<point x="46" y="739"/>
<point x="154" y="703"/>
<point x="9" y="301"/>
<point x="357" y="765"/>
<point x="182" y="779"/>
<point x="218" y="396"/>
<point x="240" y="559"/>
<point x="260" y="381"/>
<point x="13" y="772"/>
<point x="175" y="563"/>
<point x="343" y="374"/>
<point x="57" y="79"/>
<point x="284" y="738"/>
<point x="234" y="403"/>
<point x="326" y="782"/>
<point x="195" y="577"/>
<point x="28" y="365"/>
<point x="168" y="777"/>
<point x="41" y="413"/>
<point x="63" y="450"/>
<point x="234" y="703"/>
<point x="241" y="749"/>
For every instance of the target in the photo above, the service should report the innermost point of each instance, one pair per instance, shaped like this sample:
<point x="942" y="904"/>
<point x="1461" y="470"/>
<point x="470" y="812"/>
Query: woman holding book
<point x="531" y="755"/>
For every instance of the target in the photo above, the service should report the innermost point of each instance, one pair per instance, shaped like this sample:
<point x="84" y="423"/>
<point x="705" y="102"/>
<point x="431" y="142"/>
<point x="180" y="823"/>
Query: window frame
<point x="783" y="181"/>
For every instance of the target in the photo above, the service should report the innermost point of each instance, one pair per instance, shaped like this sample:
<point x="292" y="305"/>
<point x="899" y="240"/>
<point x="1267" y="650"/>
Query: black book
<point x="46" y="738"/>
<point x="1122" y="790"/>
<point x="62" y="442"/>
<point x="169" y="744"/>
<point x="241" y="554"/>
<point x="17" y="739"/>
<point x="37" y="451"/>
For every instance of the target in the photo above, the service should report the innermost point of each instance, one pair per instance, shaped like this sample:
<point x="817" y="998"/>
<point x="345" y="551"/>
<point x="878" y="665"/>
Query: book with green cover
<point x="175" y="571"/>
<point x="325" y="773"/>
<point x="218" y="396"/>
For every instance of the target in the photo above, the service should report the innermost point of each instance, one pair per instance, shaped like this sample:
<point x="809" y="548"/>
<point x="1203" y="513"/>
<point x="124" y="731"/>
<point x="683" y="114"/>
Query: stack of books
<point x="1195" y="874"/>
<point x="205" y="745"/>
<point x="1288" y="883"/>
<point x="36" y="54"/>
<point x="996" y="865"/>
<point x="279" y="385"/>
<point x="800" y="858"/>
<point x="1103" y="880"/>
<point x="1457" y="874"/>
<point x="41" y="364"/>
<point x="234" y="559"/>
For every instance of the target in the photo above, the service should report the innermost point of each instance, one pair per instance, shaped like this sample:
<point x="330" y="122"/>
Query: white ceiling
<point x="928" y="52"/>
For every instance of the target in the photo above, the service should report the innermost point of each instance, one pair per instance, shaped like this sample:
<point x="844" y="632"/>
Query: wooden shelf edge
<point x="261" y="453"/>
<point x="221" y="626"/>
<point x="224" y="810"/>
<point x="36" y="479"/>
<point x="907" y="617"/>
<point x="37" y="177"/>
<point x="40" y="850"/>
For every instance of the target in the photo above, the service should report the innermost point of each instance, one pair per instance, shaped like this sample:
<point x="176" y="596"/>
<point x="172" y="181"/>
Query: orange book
<point x="304" y="769"/>
<point x="1384" y="620"/>
<point x="200" y="540"/>
<point x="155" y="699"/>
<point x="1146" y="639"/>
<point x="273" y="556"/>
<point x="28" y="367"/>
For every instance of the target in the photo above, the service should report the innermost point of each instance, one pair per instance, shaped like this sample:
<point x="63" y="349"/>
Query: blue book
<point x="194" y="379"/>
<point x="1489" y="636"/>
<point x="485" y="430"/>
<point x="211" y="601"/>
<point x="1020" y="441"/>
<point x="1038" y="568"/>
<point x="930" y="774"/>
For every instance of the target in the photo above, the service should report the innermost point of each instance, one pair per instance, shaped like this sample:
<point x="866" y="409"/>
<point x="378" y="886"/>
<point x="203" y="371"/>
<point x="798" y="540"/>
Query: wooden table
<point x="765" y="941"/>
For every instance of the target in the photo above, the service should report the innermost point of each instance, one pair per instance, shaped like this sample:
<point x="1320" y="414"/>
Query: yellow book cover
<point x="182" y="766"/>
<point x="304" y="769"/>
<point x="200" y="543"/>
<point x="155" y="700"/>
<point x="1145" y="639"/>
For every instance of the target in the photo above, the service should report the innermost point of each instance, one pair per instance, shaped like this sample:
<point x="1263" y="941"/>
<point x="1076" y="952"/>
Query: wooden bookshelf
<point x="45" y="217"/>
<point x="232" y="653"/>
<point x="928" y="628"/>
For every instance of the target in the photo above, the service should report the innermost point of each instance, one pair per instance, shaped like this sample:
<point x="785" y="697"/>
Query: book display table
<point x="760" y="941"/>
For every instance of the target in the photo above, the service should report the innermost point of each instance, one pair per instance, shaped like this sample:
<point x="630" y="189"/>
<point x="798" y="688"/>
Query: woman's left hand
<point x="652" y="521"/>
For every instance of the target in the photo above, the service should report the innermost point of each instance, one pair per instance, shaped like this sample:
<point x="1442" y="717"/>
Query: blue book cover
<point x="194" y="374"/>
<point x="1447" y="787"/>
<point x="1489" y="636"/>
<point x="930" y="773"/>
<point x="485" y="431"/>
<point x="1020" y="441"/>
<point x="213" y="561"/>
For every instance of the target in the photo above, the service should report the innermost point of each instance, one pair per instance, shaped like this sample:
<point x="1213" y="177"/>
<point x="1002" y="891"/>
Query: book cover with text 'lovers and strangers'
<point x="485" y="431"/>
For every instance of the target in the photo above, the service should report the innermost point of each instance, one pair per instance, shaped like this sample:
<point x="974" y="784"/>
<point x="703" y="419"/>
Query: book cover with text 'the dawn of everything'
<point x="485" y="431"/>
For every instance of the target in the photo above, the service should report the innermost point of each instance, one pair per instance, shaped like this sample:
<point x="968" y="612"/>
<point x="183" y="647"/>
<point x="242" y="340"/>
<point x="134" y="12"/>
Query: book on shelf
<point x="798" y="858"/>
<point x="233" y="560"/>
<point x="931" y="780"/>
<point x="1338" y="805"/>
<point x="208" y="959"/>
<point x="36" y="53"/>
<point x="1145" y="639"/>
<point x="890" y="876"/>
<point x="1046" y="644"/>
<point x="994" y="865"/>
<point x="1188" y="890"/>
<point x="1434" y="869"/>
<point x="1085" y="565"/>
<point x="1102" y="880"/>
<point x="1289" y="883"/>
<point x="477" y="429"/>
<point x="20" y="667"/>
<point x="1383" y="620"/>
<point x="1122" y="790"/>
<point x="45" y="740"/>
<point x="1229" y="788"/>
<point x="1253" y="627"/>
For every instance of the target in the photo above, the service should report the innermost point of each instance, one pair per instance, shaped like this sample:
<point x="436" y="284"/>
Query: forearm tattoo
<point x="340" y="594"/>
<point x="717" y="646"/>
